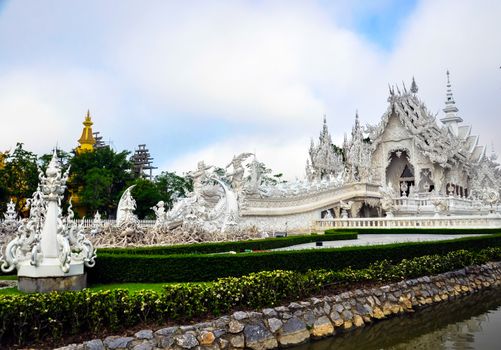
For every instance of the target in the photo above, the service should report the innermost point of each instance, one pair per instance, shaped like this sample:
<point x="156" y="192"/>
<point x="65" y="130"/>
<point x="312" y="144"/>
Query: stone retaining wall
<point x="310" y="319"/>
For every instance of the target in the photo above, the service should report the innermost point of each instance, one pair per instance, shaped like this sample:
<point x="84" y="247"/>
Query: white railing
<point x="456" y="206"/>
<point x="471" y="221"/>
<point x="110" y="222"/>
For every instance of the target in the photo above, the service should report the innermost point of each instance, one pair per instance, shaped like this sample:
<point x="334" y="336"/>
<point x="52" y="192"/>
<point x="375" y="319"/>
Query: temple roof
<point x="439" y="143"/>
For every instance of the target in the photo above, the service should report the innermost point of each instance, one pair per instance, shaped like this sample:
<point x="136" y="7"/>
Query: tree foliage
<point x="98" y="178"/>
<point x="172" y="186"/>
<point x="18" y="178"/>
<point x="146" y="194"/>
<point x="96" y="182"/>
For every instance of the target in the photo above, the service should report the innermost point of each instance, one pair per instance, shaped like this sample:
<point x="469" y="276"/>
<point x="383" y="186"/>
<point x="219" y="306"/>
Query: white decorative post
<point x="49" y="251"/>
<point x="10" y="215"/>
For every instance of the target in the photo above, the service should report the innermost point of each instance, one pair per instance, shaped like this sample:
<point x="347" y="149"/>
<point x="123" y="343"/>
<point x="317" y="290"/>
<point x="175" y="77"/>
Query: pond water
<point x="373" y="239"/>
<point x="472" y="322"/>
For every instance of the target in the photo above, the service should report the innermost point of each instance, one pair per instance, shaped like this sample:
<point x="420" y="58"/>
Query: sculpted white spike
<point x="47" y="245"/>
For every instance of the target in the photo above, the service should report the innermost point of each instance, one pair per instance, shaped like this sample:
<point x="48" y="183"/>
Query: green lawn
<point x="9" y="291"/>
<point x="132" y="287"/>
<point x="9" y="277"/>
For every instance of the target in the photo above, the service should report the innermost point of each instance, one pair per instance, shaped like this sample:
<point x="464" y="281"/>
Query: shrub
<point x="221" y="247"/>
<point x="36" y="317"/>
<point x="205" y="267"/>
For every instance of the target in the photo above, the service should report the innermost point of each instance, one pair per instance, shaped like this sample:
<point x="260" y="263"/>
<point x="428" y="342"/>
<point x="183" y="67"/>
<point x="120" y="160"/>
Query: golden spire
<point x="87" y="140"/>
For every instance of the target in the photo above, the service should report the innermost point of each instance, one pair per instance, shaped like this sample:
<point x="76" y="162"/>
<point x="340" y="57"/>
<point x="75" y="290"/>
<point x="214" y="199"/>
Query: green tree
<point x="170" y="186"/>
<point x="96" y="192"/>
<point x="109" y="182"/>
<point x="147" y="194"/>
<point x="18" y="178"/>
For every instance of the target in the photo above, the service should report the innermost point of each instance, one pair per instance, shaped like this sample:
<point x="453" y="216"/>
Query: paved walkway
<point x="373" y="239"/>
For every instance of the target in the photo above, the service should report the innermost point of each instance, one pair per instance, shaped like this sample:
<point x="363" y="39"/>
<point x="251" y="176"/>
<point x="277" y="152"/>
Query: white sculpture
<point x="236" y="177"/>
<point x="10" y="215"/>
<point x="126" y="208"/>
<point x="255" y="177"/>
<point x="159" y="211"/>
<point x="345" y="207"/>
<point x="47" y="245"/>
<point x="388" y="195"/>
<point x="10" y="223"/>
<point x="97" y="224"/>
<point x="199" y="177"/>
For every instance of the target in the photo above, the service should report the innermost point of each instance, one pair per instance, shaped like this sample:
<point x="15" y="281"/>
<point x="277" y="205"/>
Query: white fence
<point x="90" y="222"/>
<point x="477" y="221"/>
<point x="455" y="206"/>
<point x="106" y="222"/>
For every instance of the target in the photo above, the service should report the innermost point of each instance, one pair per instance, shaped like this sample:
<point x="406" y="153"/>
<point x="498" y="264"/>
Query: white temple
<point x="409" y="170"/>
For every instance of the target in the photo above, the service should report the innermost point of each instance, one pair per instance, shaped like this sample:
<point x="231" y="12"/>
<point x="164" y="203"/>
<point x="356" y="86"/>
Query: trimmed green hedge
<point x="237" y="246"/>
<point x="205" y="267"/>
<point x="412" y="230"/>
<point x="42" y="317"/>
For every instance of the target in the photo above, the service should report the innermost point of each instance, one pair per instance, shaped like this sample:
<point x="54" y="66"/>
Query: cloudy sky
<point x="208" y="79"/>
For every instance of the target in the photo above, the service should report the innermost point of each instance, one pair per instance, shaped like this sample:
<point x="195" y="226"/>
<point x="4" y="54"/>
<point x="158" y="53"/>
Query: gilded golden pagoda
<point x="87" y="140"/>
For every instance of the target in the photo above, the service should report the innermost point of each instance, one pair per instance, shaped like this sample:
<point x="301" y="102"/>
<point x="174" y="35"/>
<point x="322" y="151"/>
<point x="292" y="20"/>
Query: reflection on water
<point x="473" y="322"/>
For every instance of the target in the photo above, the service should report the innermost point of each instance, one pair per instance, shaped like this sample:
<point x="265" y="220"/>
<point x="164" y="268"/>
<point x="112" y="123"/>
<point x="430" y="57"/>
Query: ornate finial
<point x="87" y="140"/>
<point x="449" y="102"/>
<point x="10" y="215"/>
<point x="325" y="129"/>
<point x="414" y="87"/>
<point x="494" y="156"/>
<point x="53" y="183"/>
<point x="451" y="118"/>
<point x="88" y="120"/>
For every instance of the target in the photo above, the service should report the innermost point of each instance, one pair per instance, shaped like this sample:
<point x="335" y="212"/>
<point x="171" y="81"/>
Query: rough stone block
<point x="206" y="338"/>
<point x="117" y="342"/>
<point x="50" y="284"/>
<point x="94" y="344"/>
<point x="144" y="334"/>
<point x="237" y="341"/>
<point x="258" y="337"/>
<point x="322" y="327"/>
<point x="187" y="340"/>
<point x="274" y="324"/>
<point x="235" y="326"/>
<point x="293" y="332"/>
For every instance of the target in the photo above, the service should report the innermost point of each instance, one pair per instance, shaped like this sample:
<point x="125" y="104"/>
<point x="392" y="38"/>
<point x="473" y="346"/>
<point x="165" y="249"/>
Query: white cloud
<point x="43" y="108"/>
<point x="284" y="155"/>
<point x="269" y="69"/>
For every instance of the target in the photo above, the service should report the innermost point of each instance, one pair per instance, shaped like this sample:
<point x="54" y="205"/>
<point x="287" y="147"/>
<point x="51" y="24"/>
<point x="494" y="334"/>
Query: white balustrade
<point x="471" y="221"/>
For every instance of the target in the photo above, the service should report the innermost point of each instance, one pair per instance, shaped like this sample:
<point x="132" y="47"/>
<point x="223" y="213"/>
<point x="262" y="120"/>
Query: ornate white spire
<point x="356" y="128"/>
<point x="47" y="245"/>
<point x="451" y="119"/>
<point x="324" y="161"/>
<point x="414" y="87"/>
